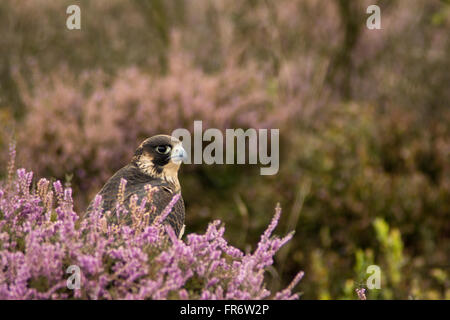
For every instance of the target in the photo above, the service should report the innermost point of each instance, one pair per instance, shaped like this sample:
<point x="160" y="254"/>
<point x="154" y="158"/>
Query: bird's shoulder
<point x="137" y="184"/>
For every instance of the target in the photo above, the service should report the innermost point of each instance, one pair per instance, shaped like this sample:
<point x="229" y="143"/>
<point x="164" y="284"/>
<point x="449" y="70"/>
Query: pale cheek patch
<point x="145" y="163"/>
<point x="169" y="172"/>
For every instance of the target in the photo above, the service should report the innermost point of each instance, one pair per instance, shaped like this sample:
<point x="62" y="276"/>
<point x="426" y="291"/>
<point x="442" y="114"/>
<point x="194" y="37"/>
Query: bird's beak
<point x="178" y="154"/>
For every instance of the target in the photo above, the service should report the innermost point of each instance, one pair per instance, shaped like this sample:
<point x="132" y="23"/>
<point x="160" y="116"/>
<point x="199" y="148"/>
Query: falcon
<point x="154" y="165"/>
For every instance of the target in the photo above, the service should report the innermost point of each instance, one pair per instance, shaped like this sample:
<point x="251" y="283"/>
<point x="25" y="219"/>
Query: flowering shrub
<point x="92" y="133"/>
<point x="41" y="236"/>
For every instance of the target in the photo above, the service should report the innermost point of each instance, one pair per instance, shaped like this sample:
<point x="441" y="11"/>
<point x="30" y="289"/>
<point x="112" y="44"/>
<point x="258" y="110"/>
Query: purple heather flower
<point x="361" y="292"/>
<point x="41" y="235"/>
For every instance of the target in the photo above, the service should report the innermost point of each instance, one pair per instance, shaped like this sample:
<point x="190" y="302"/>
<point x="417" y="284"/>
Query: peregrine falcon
<point x="154" y="165"/>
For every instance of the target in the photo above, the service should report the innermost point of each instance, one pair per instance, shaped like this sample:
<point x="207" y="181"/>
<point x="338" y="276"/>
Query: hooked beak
<point x="178" y="154"/>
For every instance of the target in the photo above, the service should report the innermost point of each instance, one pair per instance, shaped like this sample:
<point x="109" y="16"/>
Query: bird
<point x="155" y="165"/>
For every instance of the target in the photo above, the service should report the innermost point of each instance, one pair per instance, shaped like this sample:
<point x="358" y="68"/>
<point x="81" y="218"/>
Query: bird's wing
<point x="161" y="197"/>
<point x="136" y="183"/>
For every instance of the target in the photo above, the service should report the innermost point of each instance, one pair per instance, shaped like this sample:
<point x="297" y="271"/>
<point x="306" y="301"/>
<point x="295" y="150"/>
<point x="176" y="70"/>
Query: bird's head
<point x="160" y="157"/>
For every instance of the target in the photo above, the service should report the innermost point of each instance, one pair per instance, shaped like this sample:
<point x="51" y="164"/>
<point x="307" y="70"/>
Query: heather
<point x="41" y="236"/>
<point x="363" y="115"/>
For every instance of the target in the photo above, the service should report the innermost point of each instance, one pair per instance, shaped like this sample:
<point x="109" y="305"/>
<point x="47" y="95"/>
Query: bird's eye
<point x="163" y="149"/>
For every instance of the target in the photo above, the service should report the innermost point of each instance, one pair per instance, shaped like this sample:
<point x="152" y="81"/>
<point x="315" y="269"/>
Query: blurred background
<point x="363" y="114"/>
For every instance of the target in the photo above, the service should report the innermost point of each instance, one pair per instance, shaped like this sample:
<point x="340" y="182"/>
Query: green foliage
<point x="392" y="248"/>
